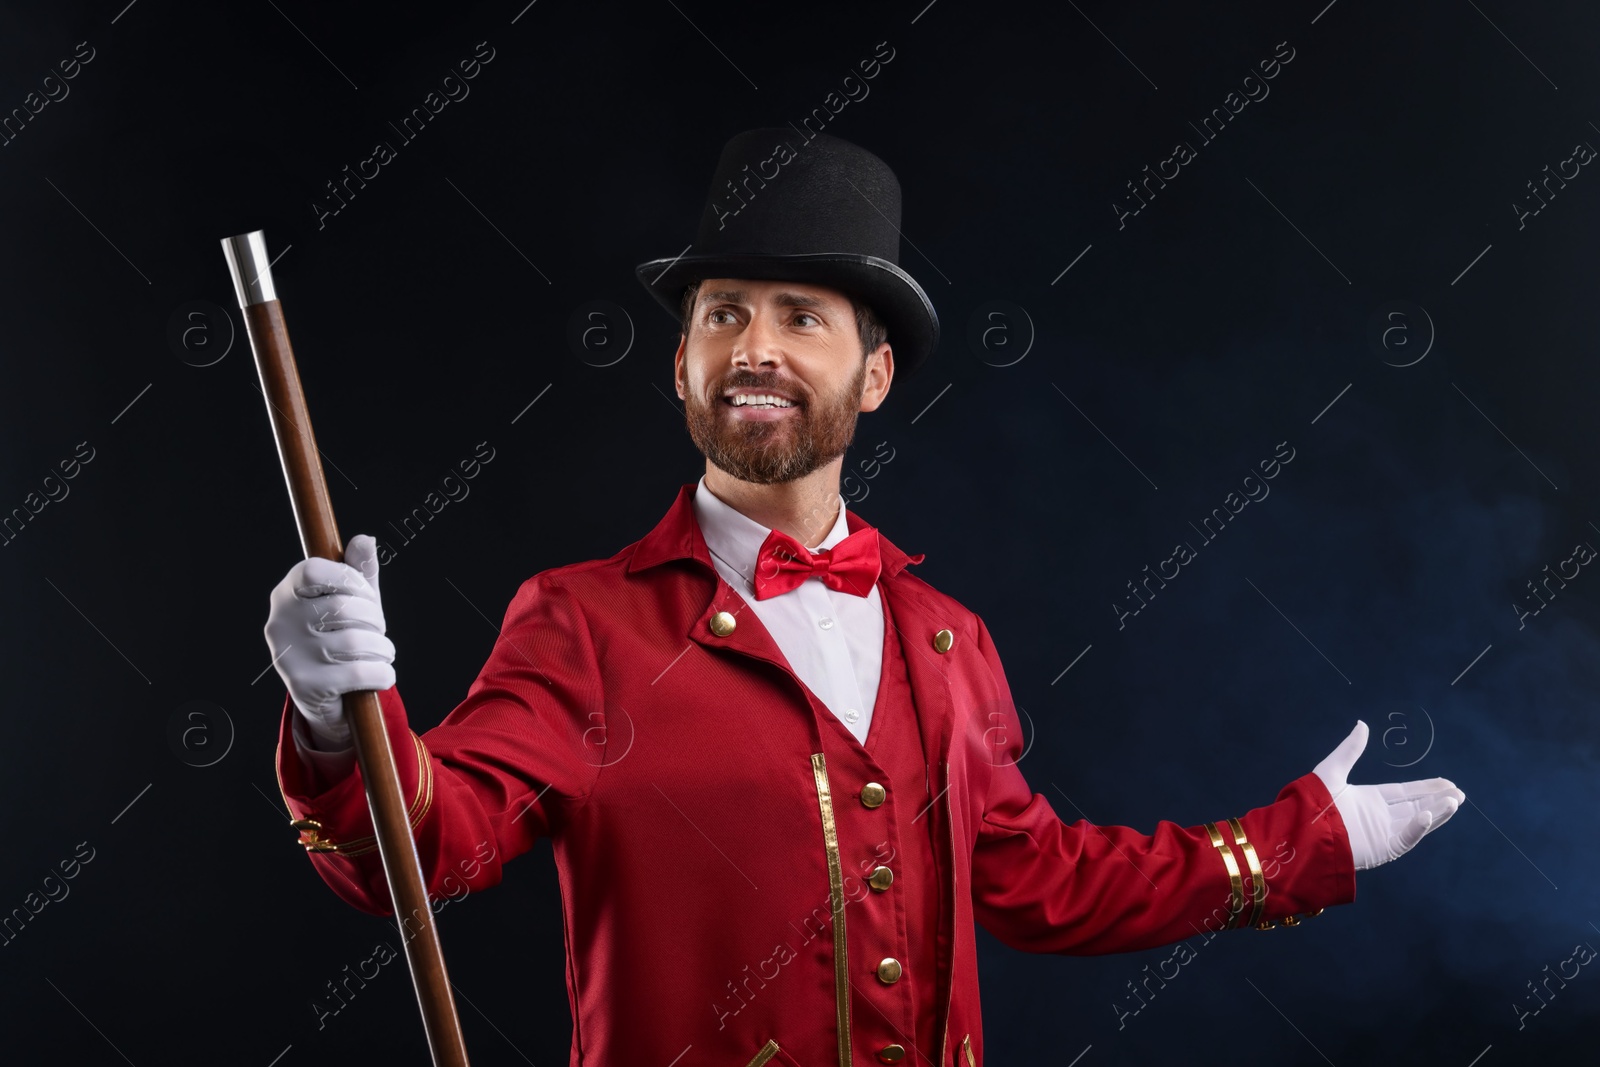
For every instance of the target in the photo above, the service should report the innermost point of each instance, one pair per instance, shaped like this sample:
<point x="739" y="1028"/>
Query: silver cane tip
<point x="250" y="266"/>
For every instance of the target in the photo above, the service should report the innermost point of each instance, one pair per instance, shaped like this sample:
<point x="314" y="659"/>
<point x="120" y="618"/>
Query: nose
<point x="759" y="344"/>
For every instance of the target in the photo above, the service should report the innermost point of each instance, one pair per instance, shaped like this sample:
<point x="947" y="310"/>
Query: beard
<point x="781" y="450"/>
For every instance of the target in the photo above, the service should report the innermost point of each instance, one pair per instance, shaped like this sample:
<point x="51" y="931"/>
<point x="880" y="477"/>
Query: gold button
<point x="889" y="971"/>
<point x="892" y="1053"/>
<point x="943" y="640"/>
<point x="873" y="794"/>
<point x="722" y="624"/>
<point x="880" y="878"/>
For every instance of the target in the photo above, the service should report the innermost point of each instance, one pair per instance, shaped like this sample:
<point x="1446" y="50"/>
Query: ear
<point x="677" y="365"/>
<point x="880" y="372"/>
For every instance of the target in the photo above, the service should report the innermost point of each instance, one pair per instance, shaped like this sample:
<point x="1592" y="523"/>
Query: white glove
<point x="326" y="632"/>
<point x="1384" y="821"/>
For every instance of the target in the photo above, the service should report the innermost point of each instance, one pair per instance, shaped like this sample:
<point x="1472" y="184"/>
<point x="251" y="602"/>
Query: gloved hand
<point x="326" y="633"/>
<point x="1384" y="821"/>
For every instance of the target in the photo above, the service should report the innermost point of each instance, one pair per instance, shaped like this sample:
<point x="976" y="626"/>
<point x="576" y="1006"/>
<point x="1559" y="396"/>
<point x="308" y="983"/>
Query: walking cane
<point x="319" y="536"/>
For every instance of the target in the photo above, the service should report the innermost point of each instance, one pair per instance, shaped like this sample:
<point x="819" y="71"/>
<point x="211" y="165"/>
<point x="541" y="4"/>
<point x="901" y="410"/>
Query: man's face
<point x="794" y="341"/>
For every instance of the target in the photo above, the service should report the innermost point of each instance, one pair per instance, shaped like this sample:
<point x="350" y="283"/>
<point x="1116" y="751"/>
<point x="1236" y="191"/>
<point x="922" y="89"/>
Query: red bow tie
<point x="851" y="566"/>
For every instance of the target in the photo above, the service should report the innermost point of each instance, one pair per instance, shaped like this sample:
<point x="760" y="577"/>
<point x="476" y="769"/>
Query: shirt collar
<point x="736" y="538"/>
<point x="678" y="535"/>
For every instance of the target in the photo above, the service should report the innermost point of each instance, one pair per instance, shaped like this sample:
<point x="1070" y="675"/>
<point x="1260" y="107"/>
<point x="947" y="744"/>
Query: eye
<point x="712" y="316"/>
<point x="806" y="315"/>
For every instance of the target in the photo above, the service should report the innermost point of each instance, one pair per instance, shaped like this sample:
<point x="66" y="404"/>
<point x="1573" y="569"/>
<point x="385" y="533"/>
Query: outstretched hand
<point x="1384" y="821"/>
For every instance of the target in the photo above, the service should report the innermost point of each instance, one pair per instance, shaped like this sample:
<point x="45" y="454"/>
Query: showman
<point x="756" y="716"/>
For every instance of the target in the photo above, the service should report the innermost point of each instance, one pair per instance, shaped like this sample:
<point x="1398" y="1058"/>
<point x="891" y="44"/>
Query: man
<point x="779" y="771"/>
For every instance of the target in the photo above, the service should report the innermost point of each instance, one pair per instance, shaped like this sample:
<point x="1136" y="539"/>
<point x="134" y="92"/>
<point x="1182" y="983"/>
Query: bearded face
<point x="758" y="440"/>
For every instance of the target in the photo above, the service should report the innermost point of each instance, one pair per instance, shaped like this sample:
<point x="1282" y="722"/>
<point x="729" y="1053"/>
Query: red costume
<point x="748" y="884"/>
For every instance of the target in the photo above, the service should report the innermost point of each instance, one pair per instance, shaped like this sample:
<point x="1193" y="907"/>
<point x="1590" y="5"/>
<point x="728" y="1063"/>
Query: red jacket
<point x="620" y="715"/>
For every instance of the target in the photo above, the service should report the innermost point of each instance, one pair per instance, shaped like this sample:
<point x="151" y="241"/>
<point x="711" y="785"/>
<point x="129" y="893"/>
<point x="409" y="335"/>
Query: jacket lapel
<point x="677" y="536"/>
<point x="749" y="637"/>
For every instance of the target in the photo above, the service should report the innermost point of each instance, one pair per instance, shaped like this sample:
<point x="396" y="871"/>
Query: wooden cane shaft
<point x="319" y="536"/>
<point x="291" y="427"/>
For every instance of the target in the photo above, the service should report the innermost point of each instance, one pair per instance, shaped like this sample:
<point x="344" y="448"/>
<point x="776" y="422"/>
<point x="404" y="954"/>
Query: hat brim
<point x="899" y="302"/>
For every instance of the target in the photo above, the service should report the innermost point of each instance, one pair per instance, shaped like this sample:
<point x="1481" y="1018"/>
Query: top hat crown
<point x="782" y="206"/>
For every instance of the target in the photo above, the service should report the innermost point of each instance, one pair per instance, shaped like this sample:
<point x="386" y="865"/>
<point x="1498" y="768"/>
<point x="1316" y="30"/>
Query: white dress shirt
<point x="832" y="640"/>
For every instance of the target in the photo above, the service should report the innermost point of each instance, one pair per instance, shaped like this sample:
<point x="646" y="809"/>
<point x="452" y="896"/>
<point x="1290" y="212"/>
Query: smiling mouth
<point x="763" y="412"/>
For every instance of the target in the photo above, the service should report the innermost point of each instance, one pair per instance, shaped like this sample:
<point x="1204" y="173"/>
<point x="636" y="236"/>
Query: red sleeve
<point x="499" y="772"/>
<point x="1041" y="885"/>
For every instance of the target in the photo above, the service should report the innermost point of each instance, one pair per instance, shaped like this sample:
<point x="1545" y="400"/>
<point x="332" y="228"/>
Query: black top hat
<point x="820" y="210"/>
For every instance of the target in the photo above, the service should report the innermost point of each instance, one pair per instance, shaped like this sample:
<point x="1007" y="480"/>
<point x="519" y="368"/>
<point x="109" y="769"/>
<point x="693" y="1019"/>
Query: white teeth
<point x="748" y="399"/>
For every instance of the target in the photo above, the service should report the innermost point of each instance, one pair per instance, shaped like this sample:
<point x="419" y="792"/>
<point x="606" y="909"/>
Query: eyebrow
<point x="780" y="299"/>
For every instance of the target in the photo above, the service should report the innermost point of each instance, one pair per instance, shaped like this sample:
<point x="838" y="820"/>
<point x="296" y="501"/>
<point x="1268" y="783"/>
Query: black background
<point x="1234" y="312"/>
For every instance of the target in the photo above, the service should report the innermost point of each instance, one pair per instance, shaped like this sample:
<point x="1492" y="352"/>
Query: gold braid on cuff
<point x="1232" y="865"/>
<point x="311" y="830"/>
<point x="1258" y="881"/>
